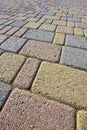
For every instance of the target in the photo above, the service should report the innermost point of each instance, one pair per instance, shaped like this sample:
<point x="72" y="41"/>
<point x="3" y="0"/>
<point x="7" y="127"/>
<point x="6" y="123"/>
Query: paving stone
<point x="78" y="59"/>
<point x="2" y="26"/>
<point x="9" y="22"/>
<point x="18" y="23"/>
<point x="48" y="27"/>
<point x="59" y="22"/>
<point x="84" y="21"/>
<point x="81" y="25"/>
<point x="51" y="17"/>
<point x="76" y="41"/>
<point x="81" y="120"/>
<point x="48" y="21"/>
<point x="4" y="92"/>
<point x="85" y="32"/>
<point x="2" y="38"/>
<point x="4" y="30"/>
<point x="32" y="25"/>
<point x="62" y="83"/>
<point x="9" y="65"/>
<point x="64" y="29"/>
<point x="20" y="32"/>
<point x="41" y="50"/>
<point x="28" y="111"/>
<point x="59" y="39"/>
<point x="48" y="13"/>
<point x="27" y="73"/>
<point x="70" y="24"/>
<point x="78" y="31"/>
<point x="74" y="19"/>
<point x="64" y="18"/>
<point x="2" y="21"/>
<point x="12" y="31"/>
<point x="39" y="35"/>
<point x="13" y="44"/>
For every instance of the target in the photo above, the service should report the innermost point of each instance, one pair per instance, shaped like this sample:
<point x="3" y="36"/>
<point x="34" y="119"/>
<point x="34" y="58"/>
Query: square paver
<point x="74" y="57"/>
<point x="13" y="44"/>
<point x="18" y="23"/>
<point x="39" y="35"/>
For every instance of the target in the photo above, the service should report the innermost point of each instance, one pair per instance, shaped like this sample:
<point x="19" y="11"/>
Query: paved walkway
<point x="43" y="65"/>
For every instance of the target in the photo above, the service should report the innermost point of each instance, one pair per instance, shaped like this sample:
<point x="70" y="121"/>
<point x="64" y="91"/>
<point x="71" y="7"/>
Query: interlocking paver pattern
<point x="43" y="50"/>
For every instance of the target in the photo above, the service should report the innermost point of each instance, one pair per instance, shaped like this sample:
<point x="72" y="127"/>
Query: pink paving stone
<point x="2" y="38"/>
<point x="41" y="50"/>
<point x="64" y="29"/>
<point x="26" y="111"/>
<point x="27" y="73"/>
<point x="20" y="32"/>
<point x="4" y="16"/>
<point x="12" y="30"/>
<point x="32" y="19"/>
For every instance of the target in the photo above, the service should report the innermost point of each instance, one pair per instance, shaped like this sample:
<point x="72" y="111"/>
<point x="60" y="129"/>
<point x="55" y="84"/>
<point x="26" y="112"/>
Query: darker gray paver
<point x="47" y="13"/>
<point x="81" y="25"/>
<point x="74" y="57"/>
<point x="13" y="44"/>
<point x="39" y="35"/>
<point x="2" y="21"/>
<point x="76" y="41"/>
<point x="2" y="26"/>
<point x="48" y="21"/>
<point x="74" y="19"/>
<point x="4" y="92"/>
<point x="18" y="23"/>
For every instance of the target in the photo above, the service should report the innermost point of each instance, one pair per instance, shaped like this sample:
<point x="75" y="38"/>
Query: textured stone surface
<point x="28" y="111"/>
<point x="13" y="44"/>
<point x="18" y="23"/>
<point x="41" y="50"/>
<point x="48" y="27"/>
<point x="9" y="65"/>
<point x="2" y="21"/>
<point x="81" y="120"/>
<point x="39" y="35"/>
<point x="4" y="92"/>
<point x="59" y="39"/>
<point x="70" y="24"/>
<point x="64" y="29"/>
<point x="74" y="19"/>
<point x="76" y="41"/>
<point x="78" y="31"/>
<point x="27" y="73"/>
<point x="12" y="31"/>
<point x="81" y="25"/>
<point x="78" y="59"/>
<point x="4" y="30"/>
<point x="59" y="22"/>
<point x="62" y="83"/>
<point x="2" y="38"/>
<point x="85" y="32"/>
<point x="32" y="25"/>
<point x="20" y="32"/>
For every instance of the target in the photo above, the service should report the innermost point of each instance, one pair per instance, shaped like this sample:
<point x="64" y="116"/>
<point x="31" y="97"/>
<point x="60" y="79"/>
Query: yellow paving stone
<point x="51" y="17"/>
<point x="32" y="25"/>
<point x="59" y="22"/>
<point x="84" y="21"/>
<point x="4" y="30"/>
<point x="41" y="21"/>
<point x="20" y="18"/>
<point x="78" y="31"/>
<point x="48" y="27"/>
<point x="60" y="14"/>
<point x="9" y="65"/>
<point x="59" y="38"/>
<point x="81" y="120"/>
<point x="62" y="83"/>
<point x="70" y="24"/>
<point x="73" y="12"/>
<point x="85" y="32"/>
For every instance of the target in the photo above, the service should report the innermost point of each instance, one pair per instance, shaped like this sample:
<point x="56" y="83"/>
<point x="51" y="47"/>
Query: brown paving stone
<point x="27" y="73"/>
<point x="64" y="29"/>
<point x="2" y="38"/>
<point x="30" y="112"/>
<point x="41" y="50"/>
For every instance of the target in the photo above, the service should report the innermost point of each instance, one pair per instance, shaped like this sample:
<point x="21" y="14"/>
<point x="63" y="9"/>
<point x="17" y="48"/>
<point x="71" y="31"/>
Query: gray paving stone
<point x="13" y="44"/>
<point x="74" y="57"/>
<point x="48" y="21"/>
<point x="76" y="41"/>
<point x="74" y="19"/>
<point x="2" y="21"/>
<point x="81" y="25"/>
<point x="18" y="23"/>
<point x="64" y="18"/>
<point x="39" y="35"/>
<point x="47" y="13"/>
<point x="4" y="92"/>
<point x="2" y="26"/>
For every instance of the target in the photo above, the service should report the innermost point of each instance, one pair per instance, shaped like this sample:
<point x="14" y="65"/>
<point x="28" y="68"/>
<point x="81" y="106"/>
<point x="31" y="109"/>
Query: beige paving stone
<point x="4" y="30"/>
<point x="85" y="32"/>
<point x="78" y="31"/>
<point x="59" y="38"/>
<point x="48" y="27"/>
<point x="84" y="21"/>
<point x="59" y="22"/>
<point x="81" y="120"/>
<point x="9" y="65"/>
<point x="70" y="24"/>
<point x="62" y="83"/>
<point x="51" y="17"/>
<point x="32" y="25"/>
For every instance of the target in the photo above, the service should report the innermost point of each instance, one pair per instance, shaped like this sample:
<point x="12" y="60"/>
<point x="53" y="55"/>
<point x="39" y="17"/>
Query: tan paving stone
<point x="84" y="21"/>
<point x="81" y="120"/>
<point x="32" y="25"/>
<point x="59" y="22"/>
<point x="70" y="24"/>
<point x="41" y="50"/>
<point x="62" y="83"/>
<point x="9" y="65"/>
<point x="85" y="32"/>
<point x="48" y="27"/>
<point x="78" y="31"/>
<point x="20" y="32"/>
<point x="51" y="17"/>
<point x="24" y="110"/>
<point x="64" y="29"/>
<point x="4" y="30"/>
<point x="12" y="31"/>
<point x="27" y="73"/>
<point x="59" y="38"/>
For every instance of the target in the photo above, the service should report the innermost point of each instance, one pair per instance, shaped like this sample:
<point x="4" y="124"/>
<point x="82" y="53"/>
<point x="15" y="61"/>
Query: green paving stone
<point x="62" y="83"/>
<point x="9" y="65"/>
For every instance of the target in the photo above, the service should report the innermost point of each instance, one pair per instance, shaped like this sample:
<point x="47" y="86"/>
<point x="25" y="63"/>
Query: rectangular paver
<point x="64" y="29"/>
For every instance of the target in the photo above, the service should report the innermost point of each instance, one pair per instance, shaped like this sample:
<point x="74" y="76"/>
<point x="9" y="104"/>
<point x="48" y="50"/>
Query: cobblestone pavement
<point x="43" y="65"/>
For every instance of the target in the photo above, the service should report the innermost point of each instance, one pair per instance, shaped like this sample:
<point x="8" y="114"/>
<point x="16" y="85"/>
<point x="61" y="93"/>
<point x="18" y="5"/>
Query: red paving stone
<point x="30" y="112"/>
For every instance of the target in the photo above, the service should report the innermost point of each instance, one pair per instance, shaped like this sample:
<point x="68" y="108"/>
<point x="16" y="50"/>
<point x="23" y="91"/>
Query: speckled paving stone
<point x="81" y="120"/>
<point x="12" y="31"/>
<point x="9" y="65"/>
<point x="62" y="83"/>
<point x="31" y="112"/>
<point x="85" y="32"/>
<point x="13" y="44"/>
<point x="20" y="32"/>
<point x="2" y="26"/>
<point x="48" y="27"/>
<point x="70" y="24"/>
<point x="2" y="38"/>
<point x="81" y="25"/>
<point x="74" y="19"/>
<point x="27" y="73"/>
<point x="41" y="50"/>
<point x="48" y="21"/>
<point x="59" y="38"/>
<point x="2" y="21"/>
<point x="32" y="25"/>
<point x="4" y="30"/>
<point x="78" y="31"/>
<point x="64" y="29"/>
<point x="18" y="23"/>
<point x="4" y="92"/>
<point x="39" y="35"/>
<point x="74" y="57"/>
<point x="59" y="22"/>
<point x="76" y="41"/>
